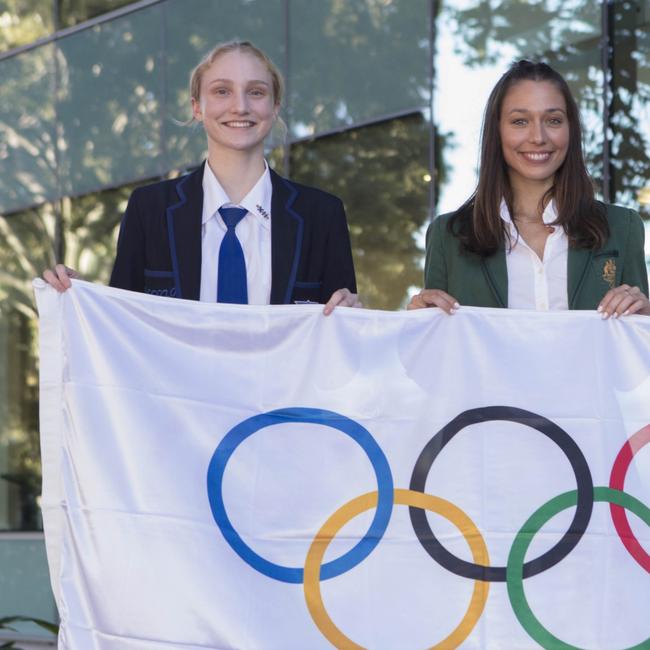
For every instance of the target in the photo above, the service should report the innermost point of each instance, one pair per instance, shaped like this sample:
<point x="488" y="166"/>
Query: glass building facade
<point x="383" y="108"/>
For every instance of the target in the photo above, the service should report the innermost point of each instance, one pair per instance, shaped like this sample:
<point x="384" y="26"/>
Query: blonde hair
<point x="236" y="46"/>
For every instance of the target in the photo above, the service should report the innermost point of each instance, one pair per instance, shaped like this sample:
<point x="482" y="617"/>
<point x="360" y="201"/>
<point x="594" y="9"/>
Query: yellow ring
<point x="406" y="498"/>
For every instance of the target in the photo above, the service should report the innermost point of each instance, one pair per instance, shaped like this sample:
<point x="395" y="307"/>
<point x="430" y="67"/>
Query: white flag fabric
<point x="224" y="476"/>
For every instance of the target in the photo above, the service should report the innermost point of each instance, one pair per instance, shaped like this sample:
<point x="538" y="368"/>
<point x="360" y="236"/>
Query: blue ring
<point x="359" y="434"/>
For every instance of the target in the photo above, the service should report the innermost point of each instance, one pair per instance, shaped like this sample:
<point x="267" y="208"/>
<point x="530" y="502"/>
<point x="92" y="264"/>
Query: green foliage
<point x="567" y="35"/>
<point x="24" y="21"/>
<point x="381" y="173"/>
<point x="7" y="622"/>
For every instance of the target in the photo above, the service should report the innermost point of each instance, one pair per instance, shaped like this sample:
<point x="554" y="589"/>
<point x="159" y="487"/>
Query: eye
<point x="220" y="91"/>
<point x="520" y="121"/>
<point x="257" y="92"/>
<point x="555" y="121"/>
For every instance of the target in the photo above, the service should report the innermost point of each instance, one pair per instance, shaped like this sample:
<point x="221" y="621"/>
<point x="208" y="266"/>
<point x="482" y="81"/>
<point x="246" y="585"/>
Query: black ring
<point x="511" y="414"/>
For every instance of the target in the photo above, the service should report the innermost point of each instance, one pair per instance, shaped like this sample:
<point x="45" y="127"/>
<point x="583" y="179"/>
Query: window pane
<point x="72" y="12"/>
<point x="28" y="250"/>
<point x="24" y="21"/>
<point x="92" y="225"/>
<point x="26" y="584"/>
<point x="477" y="41"/>
<point x="27" y="132"/>
<point x="630" y="105"/>
<point x="381" y="173"/>
<point x="187" y="41"/>
<point x="109" y="103"/>
<point x="355" y="61"/>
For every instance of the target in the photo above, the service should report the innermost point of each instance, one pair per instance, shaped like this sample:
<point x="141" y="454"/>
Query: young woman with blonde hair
<point x="234" y="230"/>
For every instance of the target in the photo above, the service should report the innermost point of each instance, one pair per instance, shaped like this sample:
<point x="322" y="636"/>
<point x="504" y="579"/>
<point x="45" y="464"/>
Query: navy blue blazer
<point x="159" y="245"/>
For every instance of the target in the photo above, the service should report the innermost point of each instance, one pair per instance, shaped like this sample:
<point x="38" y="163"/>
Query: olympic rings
<point x="359" y="434"/>
<point x="513" y="574"/>
<point x="401" y="497"/>
<point x="518" y="552"/>
<point x="617" y="482"/>
<point x="510" y="414"/>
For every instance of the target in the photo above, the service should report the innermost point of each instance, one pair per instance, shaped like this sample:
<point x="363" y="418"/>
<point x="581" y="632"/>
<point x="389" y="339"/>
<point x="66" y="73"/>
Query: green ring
<point x="514" y="571"/>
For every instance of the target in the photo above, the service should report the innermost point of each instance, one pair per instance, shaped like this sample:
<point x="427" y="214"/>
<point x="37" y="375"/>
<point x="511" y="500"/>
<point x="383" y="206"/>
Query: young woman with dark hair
<point x="532" y="235"/>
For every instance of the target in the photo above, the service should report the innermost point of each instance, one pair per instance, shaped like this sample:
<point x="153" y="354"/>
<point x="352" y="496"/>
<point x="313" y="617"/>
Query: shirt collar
<point x="549" y="215"/>
<point x="257" y="201"/>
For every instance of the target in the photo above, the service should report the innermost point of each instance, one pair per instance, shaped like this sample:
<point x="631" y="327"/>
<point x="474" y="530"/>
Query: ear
<point x="196" y="110"/>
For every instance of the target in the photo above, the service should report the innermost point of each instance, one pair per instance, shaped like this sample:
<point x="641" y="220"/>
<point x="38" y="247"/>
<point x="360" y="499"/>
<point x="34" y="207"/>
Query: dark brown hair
<point x="478" y="224"/>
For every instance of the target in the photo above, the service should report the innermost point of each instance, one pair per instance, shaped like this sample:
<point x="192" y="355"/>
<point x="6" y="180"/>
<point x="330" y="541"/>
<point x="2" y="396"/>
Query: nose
<point x="537" y="134"/>
<point x="239" y="102"/>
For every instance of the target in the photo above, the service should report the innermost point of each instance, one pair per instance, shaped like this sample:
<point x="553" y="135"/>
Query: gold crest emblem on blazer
<point x="609" y="272"/>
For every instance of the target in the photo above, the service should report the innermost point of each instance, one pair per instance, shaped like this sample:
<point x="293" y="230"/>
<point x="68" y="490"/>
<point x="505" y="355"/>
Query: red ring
<point x="617" y="482"/>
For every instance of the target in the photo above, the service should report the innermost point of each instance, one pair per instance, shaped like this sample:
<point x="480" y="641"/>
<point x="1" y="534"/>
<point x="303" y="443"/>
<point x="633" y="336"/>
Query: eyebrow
<point x="229" y="81"/>
<point x="546" y="110"/>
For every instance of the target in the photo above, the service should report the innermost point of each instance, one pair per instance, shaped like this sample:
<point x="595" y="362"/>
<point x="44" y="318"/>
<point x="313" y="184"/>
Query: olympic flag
<point x="221" y="476"/>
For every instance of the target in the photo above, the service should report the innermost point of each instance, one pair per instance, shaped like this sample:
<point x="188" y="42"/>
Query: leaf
<point x="46" y="625"/>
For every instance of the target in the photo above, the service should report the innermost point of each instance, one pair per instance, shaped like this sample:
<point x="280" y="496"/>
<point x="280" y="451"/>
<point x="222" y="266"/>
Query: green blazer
<point x="483" y="281"/>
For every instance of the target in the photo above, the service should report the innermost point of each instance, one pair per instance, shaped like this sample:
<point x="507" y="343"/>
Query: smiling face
<point x="534" y="132"/>
<point x="236" y="103"/>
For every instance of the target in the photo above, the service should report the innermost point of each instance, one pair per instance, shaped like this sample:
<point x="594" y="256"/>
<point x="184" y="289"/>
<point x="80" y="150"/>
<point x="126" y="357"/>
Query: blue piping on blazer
<point x="170" y="233"/>
<point x="296" y="256"/>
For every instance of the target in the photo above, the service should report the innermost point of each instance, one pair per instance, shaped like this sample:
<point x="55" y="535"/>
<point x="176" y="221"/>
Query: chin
<point x="537" y="175"/>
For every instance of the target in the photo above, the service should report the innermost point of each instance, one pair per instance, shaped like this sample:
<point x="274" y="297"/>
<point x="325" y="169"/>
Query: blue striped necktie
<point x="231" y="278"/>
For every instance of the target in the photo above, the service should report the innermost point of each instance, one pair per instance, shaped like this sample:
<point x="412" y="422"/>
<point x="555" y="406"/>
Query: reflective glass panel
<point x="27" y="249"/>
<point x="187" y="41"/>
<point x="476" y="42"/>
<point x="26" y="586"/>
<point x="381" y="173"/>
<point x="351" y="62"/>
<point x="28" y="162"/>
<point x="92" y="225"/>
<point x="109" y="103"/>
<point x="24" y="21"/>
<point x="630" y="104"/>
<point x="72" y="12"/>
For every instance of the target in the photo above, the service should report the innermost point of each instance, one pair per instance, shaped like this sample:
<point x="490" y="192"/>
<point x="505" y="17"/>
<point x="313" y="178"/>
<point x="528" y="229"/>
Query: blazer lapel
<point x="184" y="231"/>
<point x="577" y="265"/>
<point x="286" y="239"/>
<point x="496" y="274"/>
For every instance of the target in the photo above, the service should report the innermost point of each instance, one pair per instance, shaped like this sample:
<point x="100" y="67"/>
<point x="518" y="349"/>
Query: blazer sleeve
<point x="128" y="269"/>
<point x="339" y="266"/>
<point x="634" y="270"/>
<point x="435" y="264"/>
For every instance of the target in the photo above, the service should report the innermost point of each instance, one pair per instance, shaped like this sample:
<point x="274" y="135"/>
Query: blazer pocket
<point x="159" y="283"/>
<point x="306" y="292"/>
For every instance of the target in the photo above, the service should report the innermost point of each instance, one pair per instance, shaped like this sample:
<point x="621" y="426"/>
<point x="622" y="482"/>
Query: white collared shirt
<point x="253" y="232"/>
<point x="534" y="283"/>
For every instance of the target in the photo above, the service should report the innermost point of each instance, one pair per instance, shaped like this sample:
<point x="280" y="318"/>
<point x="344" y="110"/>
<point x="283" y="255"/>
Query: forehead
<point x="237" y="66"/>
<point x="533" y="96"/>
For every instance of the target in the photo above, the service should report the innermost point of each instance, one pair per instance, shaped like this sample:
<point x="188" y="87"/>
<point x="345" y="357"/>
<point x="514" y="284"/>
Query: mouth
<point x="536" y="156"/>
<point x="239" y="124"/>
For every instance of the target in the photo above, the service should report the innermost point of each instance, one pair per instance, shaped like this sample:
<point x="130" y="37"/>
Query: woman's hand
<point x="59" y="277"/>
<point x="341" y="298"/>
<point x="623" y="301"/>
<point x="434" y="298"/>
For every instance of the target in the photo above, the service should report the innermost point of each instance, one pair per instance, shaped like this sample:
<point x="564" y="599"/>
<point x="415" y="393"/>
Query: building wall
<point x="383" y="108"/>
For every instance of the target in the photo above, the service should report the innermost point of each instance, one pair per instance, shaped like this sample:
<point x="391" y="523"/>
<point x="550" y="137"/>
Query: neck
<point x="237" y="171"/>
<point x="527" y="196"/>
